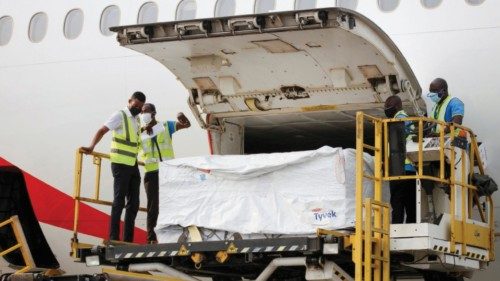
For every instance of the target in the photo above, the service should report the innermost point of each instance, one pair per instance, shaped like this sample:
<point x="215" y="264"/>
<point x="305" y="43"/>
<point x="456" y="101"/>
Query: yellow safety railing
<point x="371" y="238"/>
<point x="97" y="159"/>
<point x="461" y="231"/>
<point x="371" y="248"/>
<point x="21" y="244"/>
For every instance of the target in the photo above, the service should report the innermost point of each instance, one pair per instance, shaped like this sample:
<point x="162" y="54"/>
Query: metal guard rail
<point x="459" y="228"/>
<point x="96" y="199"/>
<point x="21" y="244"/>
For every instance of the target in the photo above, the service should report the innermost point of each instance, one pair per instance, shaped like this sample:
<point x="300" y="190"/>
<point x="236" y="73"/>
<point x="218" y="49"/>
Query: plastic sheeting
<point x="254" y="195"/>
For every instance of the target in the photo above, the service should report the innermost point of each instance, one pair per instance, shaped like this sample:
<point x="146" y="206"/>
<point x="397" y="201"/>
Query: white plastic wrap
<point x="279" y="193"/>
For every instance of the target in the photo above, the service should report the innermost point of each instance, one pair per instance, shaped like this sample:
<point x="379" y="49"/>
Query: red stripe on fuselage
<point x="56" y="208"/>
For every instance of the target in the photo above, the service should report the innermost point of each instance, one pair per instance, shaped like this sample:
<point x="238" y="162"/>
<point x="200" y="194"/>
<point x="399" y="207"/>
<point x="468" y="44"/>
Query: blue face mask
<point x="435" y="97"/>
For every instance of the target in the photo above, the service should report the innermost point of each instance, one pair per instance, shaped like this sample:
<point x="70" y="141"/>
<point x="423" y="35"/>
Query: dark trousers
<point x="433" y="170"/>
<point x="403" y="199"/>
<point x="151" y="185"/>
<point x="127" y="181"/>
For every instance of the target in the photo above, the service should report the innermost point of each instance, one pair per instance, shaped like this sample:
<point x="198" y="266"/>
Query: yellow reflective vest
<point x="125" y="146"/>
<point x="400" y="115"/>
<point x="157" y="149"/>
<point x="438" y="112"/>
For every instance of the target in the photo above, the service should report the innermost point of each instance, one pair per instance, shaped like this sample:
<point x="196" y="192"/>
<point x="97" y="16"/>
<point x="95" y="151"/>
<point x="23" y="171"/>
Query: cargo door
<point x="272" y="75"/>
<point x="325" y="59"/>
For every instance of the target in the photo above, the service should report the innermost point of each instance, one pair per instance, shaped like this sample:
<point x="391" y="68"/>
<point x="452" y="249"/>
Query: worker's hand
<point x="182" y="119"/>
<point x="87" y="150"/>
<point x="148" y="128"/>
<point x="447" y="129"/>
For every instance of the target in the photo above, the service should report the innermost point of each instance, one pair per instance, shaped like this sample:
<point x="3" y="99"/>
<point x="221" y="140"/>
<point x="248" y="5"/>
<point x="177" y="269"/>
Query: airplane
<point x="62" y="74"/>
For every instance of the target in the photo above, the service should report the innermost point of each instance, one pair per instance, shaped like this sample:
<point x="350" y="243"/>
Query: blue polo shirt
<point x="454" y="108"/>
<point x="171" y="127"/>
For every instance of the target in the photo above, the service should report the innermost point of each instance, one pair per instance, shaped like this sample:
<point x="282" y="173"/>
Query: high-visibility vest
<point x="125" y="146"/>
<point x="153" y="152"/>
<point x="402" y="114"/>
<point x="438" y="113"/>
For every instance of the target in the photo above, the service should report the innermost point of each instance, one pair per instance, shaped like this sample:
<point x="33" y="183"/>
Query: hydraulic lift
<point x="458" y="243"/>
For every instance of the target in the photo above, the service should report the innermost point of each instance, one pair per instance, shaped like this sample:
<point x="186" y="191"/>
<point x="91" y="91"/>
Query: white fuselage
<point x="56" y="93"/>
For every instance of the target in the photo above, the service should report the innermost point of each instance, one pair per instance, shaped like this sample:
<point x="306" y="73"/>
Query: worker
<point x="403" y="192"/>
<point x="125" y="125"/>
<point x="155" y="148"/>
<point x="448" y="109"/>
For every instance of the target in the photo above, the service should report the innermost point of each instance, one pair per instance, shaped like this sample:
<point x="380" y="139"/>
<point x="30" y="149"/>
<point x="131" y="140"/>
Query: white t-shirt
<point x="114" y="122"/>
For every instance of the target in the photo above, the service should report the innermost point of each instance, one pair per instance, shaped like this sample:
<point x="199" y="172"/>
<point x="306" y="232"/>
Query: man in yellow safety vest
<point x="155" y="148"/>
<point x="446" y="108"/>
<point x="127" y="179"/>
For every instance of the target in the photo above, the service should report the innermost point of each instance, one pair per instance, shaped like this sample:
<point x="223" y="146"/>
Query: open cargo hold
<point x="259" y="195"/>
<point x="266" y="84"/>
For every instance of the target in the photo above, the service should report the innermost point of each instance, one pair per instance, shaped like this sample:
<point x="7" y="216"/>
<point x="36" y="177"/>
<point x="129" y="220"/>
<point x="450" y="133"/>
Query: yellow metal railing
<point x="97" y="158"/>
<point x="461" y="231"/>
<point x="371" y="238"/>
<point x="21" y="244"/>
<point x="371" y="248"/>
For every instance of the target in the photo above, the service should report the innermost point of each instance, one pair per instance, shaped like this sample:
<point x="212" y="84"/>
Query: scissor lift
<point x="371" y="251"/>
<point x="460" y="243"/>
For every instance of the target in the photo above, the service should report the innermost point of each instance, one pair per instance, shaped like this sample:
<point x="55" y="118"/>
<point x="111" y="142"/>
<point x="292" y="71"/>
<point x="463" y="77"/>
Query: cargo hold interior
<point x="288" y="132"/>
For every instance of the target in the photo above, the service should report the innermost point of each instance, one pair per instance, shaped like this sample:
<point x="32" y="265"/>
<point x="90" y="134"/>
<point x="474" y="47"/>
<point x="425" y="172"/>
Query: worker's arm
<point x="457" y="112"/>
<point x="182" y="122"/>
<point x="149" y="127"/>
<point x="457" y="119"/>
<point x="97" y="138"/>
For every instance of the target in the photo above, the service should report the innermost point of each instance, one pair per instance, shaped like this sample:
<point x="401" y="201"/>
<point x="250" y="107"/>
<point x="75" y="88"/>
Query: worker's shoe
<point x="153" y="242"/>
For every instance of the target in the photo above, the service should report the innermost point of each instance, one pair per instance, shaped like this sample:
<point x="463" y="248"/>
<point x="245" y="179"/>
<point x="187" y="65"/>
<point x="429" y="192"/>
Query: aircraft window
<point x="73" y="24"/>
<point x="6" y="26"/>
<point x="186" y="10"/>
<point x="148" y="13"/>
<point x="264" y="6"/>
<point x="225" y="8"/>
<point x="474" y="2"/>
<point x="431" y="3"/>
<point x="388" y="5"/>
<point x="305" y="4"/>
<point x="349" y="4"/>
<point x="38" y="27"/>
<point x="110" y="17"/>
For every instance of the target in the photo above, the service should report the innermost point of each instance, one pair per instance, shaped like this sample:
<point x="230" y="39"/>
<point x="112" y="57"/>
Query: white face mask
<point x="146" y="118"/>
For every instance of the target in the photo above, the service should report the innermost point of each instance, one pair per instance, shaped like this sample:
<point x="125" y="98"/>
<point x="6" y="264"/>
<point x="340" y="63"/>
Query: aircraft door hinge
<point x="199" y="118"/>
<point x="413" y="95"/>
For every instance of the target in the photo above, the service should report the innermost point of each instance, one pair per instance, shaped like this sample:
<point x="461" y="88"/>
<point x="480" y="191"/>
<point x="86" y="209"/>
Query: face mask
<point x="146" y="118"/>
<point x="390" y="112"/>
<point x="435" y="97"/>
<point x="134" y="111"/>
